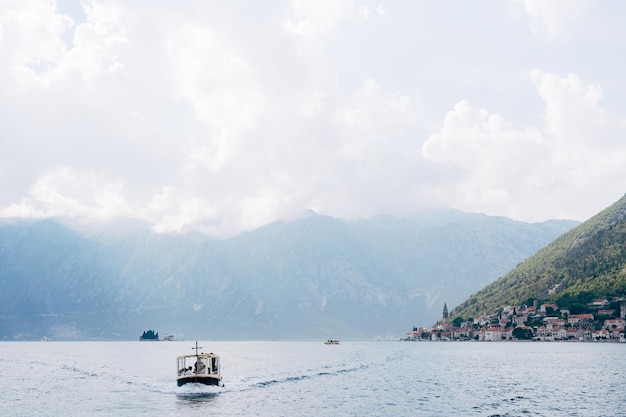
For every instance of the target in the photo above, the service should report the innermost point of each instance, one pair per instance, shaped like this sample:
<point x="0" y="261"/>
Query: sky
<point x="223" y="116"/>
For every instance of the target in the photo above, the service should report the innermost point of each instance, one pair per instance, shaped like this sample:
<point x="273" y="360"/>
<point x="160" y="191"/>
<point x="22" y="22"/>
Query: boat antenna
<point x="196" y="348"/>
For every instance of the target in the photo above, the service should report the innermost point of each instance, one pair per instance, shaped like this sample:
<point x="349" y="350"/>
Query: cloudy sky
<point x="222" y="116"/>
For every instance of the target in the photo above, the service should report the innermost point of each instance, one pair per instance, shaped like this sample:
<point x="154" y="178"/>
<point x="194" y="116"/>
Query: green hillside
<point x="587" y="262"/>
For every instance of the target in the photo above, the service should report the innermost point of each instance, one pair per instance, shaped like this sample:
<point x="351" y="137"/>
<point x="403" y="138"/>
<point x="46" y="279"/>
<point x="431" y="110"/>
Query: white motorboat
<point x="198" y="368"/>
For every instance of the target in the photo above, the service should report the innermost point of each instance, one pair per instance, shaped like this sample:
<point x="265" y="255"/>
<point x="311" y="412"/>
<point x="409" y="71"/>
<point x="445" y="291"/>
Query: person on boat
<point x="188" y="371"/>
<point x="199" y="366"/>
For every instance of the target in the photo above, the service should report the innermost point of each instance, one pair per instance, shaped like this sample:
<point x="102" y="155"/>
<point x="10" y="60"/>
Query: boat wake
<point x="198" y="392"/>
<point x="313" y="375"/>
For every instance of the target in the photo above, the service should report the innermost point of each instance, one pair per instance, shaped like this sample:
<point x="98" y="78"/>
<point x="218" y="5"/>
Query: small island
<point x="149" y="335"/>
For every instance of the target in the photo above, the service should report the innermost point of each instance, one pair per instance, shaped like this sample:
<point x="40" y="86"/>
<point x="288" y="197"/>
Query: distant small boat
<point x="205" y="369"/>
<point x="332" y="342"/>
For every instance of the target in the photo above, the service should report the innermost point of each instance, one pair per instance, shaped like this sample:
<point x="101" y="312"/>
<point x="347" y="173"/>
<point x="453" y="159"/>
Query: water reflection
<point x="191" y="400"/>
<point x="194" y="393"/>
<point x="197" y="396"/>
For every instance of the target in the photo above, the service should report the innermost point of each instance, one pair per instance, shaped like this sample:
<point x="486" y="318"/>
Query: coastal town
<point x="604" y="320"/>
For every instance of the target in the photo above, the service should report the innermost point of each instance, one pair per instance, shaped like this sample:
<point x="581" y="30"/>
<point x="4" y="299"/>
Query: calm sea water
<point x="311" y="379"/>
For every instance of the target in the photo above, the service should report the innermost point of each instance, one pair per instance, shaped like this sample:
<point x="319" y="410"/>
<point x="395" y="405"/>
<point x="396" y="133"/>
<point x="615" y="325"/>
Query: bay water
<point x="303" y="378"/>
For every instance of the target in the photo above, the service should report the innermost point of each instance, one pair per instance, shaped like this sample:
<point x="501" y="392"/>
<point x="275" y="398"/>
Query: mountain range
<point x="312" y="278"/>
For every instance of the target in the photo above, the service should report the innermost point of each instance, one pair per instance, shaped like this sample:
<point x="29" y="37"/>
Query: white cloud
<point x="31" y="32"/>
<point x="217" y="81"/>
<point x="222" y="116"/>
<point x="365" y="11"/>
<point x="573" y="113"/>
<point x="94" y="41"/>
<point x="491" y="157"/>
<point x="315" y="18"/>
<point x="220" y="85"/>
<point x="372" y="111"/>
<point x="549" y="16"/>
<point x="67" y="192"/>
<point x="173" y="211"/>
<point x="43" y="47"/>
<point x="504" y="170"/>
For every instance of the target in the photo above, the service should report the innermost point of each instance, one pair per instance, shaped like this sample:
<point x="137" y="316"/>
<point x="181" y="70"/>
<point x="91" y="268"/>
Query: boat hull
<point x="194" y="379"/>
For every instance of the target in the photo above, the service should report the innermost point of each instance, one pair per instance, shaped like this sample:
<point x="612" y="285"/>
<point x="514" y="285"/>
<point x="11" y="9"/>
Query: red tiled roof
<point x="581" y="316"/>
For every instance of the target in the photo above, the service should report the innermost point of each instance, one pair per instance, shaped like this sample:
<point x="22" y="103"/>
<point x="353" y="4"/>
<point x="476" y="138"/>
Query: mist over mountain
<point x="317" y="277"/>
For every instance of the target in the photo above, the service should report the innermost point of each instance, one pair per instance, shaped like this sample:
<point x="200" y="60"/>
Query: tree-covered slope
<point x="587" y="262"/>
